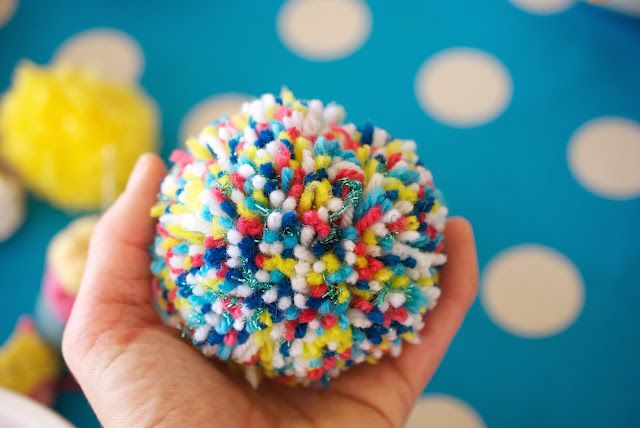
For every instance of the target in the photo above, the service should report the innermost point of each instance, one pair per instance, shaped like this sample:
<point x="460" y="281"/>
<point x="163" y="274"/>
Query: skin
<point x="137" y="372"/>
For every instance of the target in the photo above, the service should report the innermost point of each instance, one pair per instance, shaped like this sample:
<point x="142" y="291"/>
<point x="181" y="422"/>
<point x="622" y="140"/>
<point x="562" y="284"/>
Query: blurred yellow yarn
<point x="73" y="136"/>
<point x="27" y="364"/>
<point x="67" y="253"/>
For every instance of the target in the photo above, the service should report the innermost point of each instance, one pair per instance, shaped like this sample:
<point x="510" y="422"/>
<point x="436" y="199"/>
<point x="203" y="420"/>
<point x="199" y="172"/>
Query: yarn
<point x="50" y="327"/>
<point x="27" y="365"/>
<point x="57" y="299"/>
<point x="67" y="254"/>
<point x="296" y="245"/>
<point x="73" y="136"/>
<point x="12" y="206"/>
<point x="66" y="260"/>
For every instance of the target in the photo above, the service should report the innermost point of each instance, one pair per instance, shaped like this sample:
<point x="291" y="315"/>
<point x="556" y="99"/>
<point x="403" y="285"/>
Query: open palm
<point x="137" y="372"/>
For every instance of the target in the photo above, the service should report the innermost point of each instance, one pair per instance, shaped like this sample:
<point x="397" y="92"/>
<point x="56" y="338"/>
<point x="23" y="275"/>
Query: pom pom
<point x="297" y="245"/>
<point x="67" y="254"/>
<point x="66" y="260"/>
<point x="12" y="206"/>
<point x="27" y="365"/>
<point x="73" y="136"/>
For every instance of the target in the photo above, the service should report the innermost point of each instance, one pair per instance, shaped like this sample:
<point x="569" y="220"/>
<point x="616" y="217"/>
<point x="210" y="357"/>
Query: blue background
<point x="509" y="177"/>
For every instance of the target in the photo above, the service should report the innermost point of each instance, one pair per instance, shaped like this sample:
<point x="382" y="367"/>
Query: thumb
<point x="117" y="270"/>
<point x="127" y="222"/>
<point x="116" y="277"/>
<point x="119" y="252"/>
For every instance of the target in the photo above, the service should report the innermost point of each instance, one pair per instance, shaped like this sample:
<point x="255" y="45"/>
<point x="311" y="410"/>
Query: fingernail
<point x="139" y="170"/>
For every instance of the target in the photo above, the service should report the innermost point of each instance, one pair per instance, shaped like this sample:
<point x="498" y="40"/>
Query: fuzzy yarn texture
<point x="28" y="365"/>
<point x="67" y="254"/>
<point x="65" y="263"/>
<point x="73" y="136"/>
<point x="296" y="245"/>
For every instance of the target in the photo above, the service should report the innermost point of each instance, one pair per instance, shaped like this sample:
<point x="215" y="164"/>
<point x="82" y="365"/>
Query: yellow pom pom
<point x="27" y="364"/>
<point x="73" y="136"/>
<point x="67" y="253"/>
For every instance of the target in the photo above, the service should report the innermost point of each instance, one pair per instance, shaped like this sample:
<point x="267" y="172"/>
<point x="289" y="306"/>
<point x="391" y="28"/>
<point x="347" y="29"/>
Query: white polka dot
<point x="532" y="291"/>
<point x="543" y="7"/>
<point x="324" y="30"/>
<point x="210" y="109"/>
<point x="463" y="87"/>
<point x="443" y="411"/>
<point x="7" y="9"/>
<point x="113" y="53"/>
<point x="604" y="156"/>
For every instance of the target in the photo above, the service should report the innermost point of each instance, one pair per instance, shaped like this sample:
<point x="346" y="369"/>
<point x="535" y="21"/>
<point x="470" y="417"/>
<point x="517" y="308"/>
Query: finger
<point x="459" y="282"/>
<point x="119" y="254"/>
<point x="128" y="221"/>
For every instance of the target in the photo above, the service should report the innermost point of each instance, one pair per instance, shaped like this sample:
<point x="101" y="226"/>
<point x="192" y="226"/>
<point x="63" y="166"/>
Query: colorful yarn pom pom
<point x="296" y="245"/>
<point x="73" y="136"/>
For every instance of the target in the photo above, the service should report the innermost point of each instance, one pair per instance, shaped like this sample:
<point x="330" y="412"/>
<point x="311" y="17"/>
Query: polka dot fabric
<point x="295" y="244"/>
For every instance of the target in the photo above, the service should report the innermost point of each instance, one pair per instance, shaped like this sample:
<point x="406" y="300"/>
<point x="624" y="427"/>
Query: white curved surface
<point x="17" y="411"/>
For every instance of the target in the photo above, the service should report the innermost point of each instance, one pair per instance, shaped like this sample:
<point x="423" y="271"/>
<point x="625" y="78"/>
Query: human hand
<point x="135" y="371"/>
